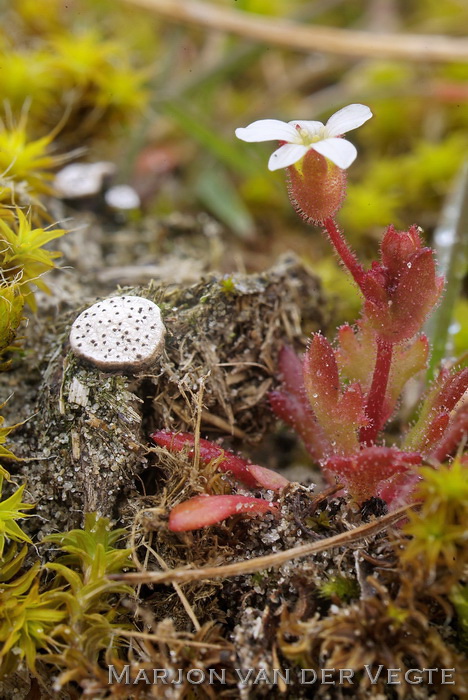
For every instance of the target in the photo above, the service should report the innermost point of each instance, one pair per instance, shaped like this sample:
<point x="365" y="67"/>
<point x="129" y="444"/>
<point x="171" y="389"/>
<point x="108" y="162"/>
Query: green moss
<point x="11" y="510"/>
<point x="228" y="286"/>
<point x="345" y="589"/>
<point x="71" y="620"/>
<point x="459" y="599"/>
<point x="438" y="529"/>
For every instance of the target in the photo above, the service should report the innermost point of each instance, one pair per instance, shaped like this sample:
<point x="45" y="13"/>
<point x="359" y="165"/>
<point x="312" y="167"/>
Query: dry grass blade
<point x="161" y="639"/>
<point x="292" y="35"/>
<point x="183" y="575"/>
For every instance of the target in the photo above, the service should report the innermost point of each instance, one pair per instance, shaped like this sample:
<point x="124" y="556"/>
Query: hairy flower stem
<point x="344" y="251"/>
<point x="376" y="397"/>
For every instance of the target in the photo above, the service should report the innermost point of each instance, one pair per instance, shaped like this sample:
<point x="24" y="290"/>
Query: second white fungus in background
<point x="119" y="334"/>
<point x="122" y="197"/>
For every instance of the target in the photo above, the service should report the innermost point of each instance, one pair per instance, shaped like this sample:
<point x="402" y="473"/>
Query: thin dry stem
<point x="134" y="634"/>
<point x="183" y="598"/>
<point x="182" y="575"/>
<point x="196" y="452"/>
<point x="291" y="35"/>
<point x="219" y="422"/>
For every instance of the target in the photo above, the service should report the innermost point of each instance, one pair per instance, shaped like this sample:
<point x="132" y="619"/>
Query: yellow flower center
<point x="308" y="138"/>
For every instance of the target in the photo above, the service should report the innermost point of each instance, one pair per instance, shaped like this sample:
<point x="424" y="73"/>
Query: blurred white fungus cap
<point x="122" y="197"/>
<point x="122" y="333"/>
<point x="83" y="179"/>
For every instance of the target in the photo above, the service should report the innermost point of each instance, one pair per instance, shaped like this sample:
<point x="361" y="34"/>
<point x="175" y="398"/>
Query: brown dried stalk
<point x="182" y="574"/>
<point x="292" y="35"/>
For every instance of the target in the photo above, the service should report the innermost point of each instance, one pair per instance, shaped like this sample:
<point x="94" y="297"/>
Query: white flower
<point x="301" y="136"/>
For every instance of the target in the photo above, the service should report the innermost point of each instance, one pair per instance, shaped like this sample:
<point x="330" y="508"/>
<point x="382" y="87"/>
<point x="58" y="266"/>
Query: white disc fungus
<point x="79" y="180"/>
<point x="122" y="333"/>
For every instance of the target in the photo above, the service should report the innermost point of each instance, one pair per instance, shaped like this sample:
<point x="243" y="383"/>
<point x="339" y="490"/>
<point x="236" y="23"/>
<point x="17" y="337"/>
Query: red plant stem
<point x="376" y="397"/>
<point x="344" y="251"/>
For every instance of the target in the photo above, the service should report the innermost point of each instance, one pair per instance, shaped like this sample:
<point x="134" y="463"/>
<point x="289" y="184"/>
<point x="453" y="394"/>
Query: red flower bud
<point x="400" y="293"/>
<point x="397" y="247"/>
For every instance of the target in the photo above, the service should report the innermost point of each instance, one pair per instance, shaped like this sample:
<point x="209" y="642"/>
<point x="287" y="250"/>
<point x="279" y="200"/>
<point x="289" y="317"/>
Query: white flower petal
<point x="312" y="128"/>
<point x="339" y="151"/>
<point x="348" y="118"/>
<point x="268" y="130"/>
<point x="286" y="155"/>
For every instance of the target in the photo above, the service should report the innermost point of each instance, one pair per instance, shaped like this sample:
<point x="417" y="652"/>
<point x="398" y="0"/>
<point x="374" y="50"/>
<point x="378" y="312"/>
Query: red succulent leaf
<point x="442" y="398"/>
<point x="364" y="472"/>
<point x="297" y="413"/>
<point x="399" y="489"/>
<point x="321" y="379"/>
<point x="436" y="430"/>
<point x="408" y="359"/>
<point x="352" y="404"/>
<point x="455" y="386"/>
<point x="340" y="415"/>
<point x="357" y="352"/>
<point x="290" y="367"/>
<point x="347" y="339"/>
<point x="266" y="478"/>
<point x="453" y="436"/>
<point x="250" y="474"/>
<point x="290" y="404"/>
<point x="205" y="510"/>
